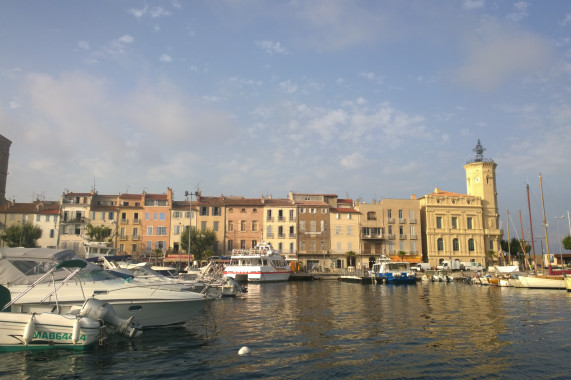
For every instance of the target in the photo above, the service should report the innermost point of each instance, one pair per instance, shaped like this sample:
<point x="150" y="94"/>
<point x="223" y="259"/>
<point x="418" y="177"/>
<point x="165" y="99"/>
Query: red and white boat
<point x="259" y="264"/>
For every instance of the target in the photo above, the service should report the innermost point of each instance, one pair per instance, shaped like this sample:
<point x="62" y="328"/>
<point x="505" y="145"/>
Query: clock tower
<point x="481" y="182"/>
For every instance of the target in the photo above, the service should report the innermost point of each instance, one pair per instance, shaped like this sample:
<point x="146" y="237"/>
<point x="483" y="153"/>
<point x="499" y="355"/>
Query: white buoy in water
<point x="244" y="350"/>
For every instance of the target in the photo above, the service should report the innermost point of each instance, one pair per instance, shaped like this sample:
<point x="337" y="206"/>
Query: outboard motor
<point x="236" y="284"/>
<point x="98" y="309"/>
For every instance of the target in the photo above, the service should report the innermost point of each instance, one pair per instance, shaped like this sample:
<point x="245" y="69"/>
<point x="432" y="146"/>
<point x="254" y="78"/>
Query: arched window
<point x="455" y="244"/>
<point x="471" y="245"/>
<point x="440" y="244"/>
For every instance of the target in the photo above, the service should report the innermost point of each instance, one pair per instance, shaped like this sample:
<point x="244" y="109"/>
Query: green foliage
<point x="567" y="242"/>
<point x="21" y="235"/>
<point x="200" y="241"/>
<point x="98" y="233"/>
<point x="515" y="247"/>
<point x="350" y="253"/>
<point x="401" y="254"/>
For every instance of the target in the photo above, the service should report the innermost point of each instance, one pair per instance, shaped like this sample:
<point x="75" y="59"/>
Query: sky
<point x="364" y="99"/>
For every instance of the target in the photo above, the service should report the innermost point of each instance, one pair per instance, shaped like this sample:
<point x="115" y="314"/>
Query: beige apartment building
<point x="211" y="214"/>
<point x="74" y="217"/>
<point x="388" y="227"/>
<point x="129" y="224"/>
<point x="280" y="219"/>
<point x="344" y="222"/>
<point x="462" y="227"/>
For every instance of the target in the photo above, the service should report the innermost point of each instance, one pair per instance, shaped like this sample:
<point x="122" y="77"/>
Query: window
<point x="291" y="233"/>
<point x="471" y="245"/>
<point x="230" y="245"/>
<point x="204" y="211"/>
<point x="337" y="230"/>
<point x="401" y="230"/>
<point x="469" y="223"/>
<point x="146" y="216"/>
<point x="215" y="226"/>
<point x="440" y="244"/>
<point x="254" y="242"/>
<point x="390" y="214"/>
<point x="338" y="246"/>
<point x="291" y="215"/>
<point x="324" y="211"/>
<point x="491" y="246"/>
<point x="401" y="245"/>
<point x="400" y="214"/>
<point x="280" y="231"/>
<point x="242" y="244"/>
<point x="149" y="245"/>
<point x="302" y="225"/>
<point x="302" y="245"/>
<point x="254" y="225"/>
<point x="348" y="216"/>
<point x="176" y="214"/>
<point x="313" y="245"/>
<point x="438" y="222"/>
<point x="38" y="217"/>
<point x="390" y="230"/>
<point x="216" y="211"/>
<point x="322" y="225"/>
<point x="455" y="245"/>
<point x="202" y="225"/>
<point x="269" y="231"/>
<point x="135" y="232"/>
<point x="454" y="222"/>
<point x="134" y="248"/>
<point x="323" y="245"/>
<point x="149" y="230"/>
<point x="162" y="231"/>
<point x="337" y="216"/>
<point x="412" y="230"/>
<point x="122" y="232"/>
<point x="312" y="210"/>
<point x="162" y="216"/>
<point x="156" y="216"/>
<point x="47" y="218"/>
<point x="52" y="233"/>
<point x="243" y="226"/>
<point x="349" y="230"/>
<point x="371" y="215"/>
<point x="312" y="226"/>
<point x="230" y="225"/>
<point x="243" y="210"/>
<point x="413" y="246"/>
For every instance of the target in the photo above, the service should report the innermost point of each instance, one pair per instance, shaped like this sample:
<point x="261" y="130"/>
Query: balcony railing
<point x="391" y="237"/>
<point x="281" y="218"/>
<point x="291" y="235"/>
<point x="124" y="221"/>
<point x="412" y="220"/>
<point x="123" y="237"/>
<point x="372" y="236"/>
<point x="402" y="220"/>
<point x="136" y="221"/>
<point x="412" y="237"/>
<point x="281" y="236"/>
<point x="402" y="237"/>
<point x="391" y="220"/>
<point x="269" y="219"/>
<point x="135" y="237"/>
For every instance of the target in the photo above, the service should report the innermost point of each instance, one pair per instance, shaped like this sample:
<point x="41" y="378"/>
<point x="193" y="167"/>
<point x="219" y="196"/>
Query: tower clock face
<point x="477" y="179"/>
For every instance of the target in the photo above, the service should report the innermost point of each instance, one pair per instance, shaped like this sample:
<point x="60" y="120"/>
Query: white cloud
<point x="83" y="45"/>
<point x="153" y="12"/>
<point x="118" y="46"/>
<point x="500" y="54"/>
<point x="271" y="47"/>
<point x="372" y="77"/>
<point x="13" y="105"/>
<point x="474" y="4"/>
<point x="566" y="20"/>
<point x="352" y="161"/>
<point x="520" y="11"/>
<point x="288" y="87"/>
<point x="165" y="58"/>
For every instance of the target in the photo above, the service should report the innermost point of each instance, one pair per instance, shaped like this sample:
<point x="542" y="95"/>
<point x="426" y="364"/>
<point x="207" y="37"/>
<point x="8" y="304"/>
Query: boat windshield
<point x="96" y="275"/>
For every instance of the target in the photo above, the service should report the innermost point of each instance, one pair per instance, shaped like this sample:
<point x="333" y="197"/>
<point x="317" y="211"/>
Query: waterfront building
<point x="388" y="227"/>
<point x="74" y="217"/>
<point x="156" y="221"/>
<point x="280" y="217"/>
<point x="4" y="156"/>
<point x="463" y="227"/>
<point x="313" y="233"/>
<point x="211" y="215"/>
<point x="345" y="239"/>
<point x="129" y="232"/>
<point x="46" y="218"/>
<point x="244" y="222"/>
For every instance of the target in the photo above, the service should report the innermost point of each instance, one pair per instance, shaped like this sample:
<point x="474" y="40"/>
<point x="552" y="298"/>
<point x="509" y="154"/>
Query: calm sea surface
<point x="328" y="329"/>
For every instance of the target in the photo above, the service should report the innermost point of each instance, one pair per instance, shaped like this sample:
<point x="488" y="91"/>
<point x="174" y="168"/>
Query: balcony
<point x="291" y="235"/>
<point x="270" y="235"/>
<point x="391" y="237"/>
<point x="291" y="219"/>
<point x="123" y="237"/>
<point x="412" y="237"/>
<point x="391" y="220"/>
<point x="124" y="221"/>
<point x="135" y="237"/>
<point x="402" y="237"/>
<point x="269" y="219"/>
<point x="136" y="221"/>
<point x="281" y="218"/>
<point x="281" y="236"/>
<point x="372" y="236"/>
<point x="402" y="220"/>
<point x="412" y="221"/>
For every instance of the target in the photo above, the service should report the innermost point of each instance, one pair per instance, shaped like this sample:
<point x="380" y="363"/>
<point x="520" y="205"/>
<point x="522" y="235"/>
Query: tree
<point x="21" y="235"/>
<point x="98" y="233"/>
<point x="490" y="256"/>
<point x="350" y="258"/>
<point x="567" y="242"/>
<point x="401" y="254"/>
<point x="515" y="248"/>
<point x="200" y="241"/>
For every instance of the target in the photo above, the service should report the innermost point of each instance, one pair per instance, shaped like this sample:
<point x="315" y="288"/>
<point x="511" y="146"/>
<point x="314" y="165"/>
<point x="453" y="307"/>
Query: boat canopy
<point x="23" y="266"/>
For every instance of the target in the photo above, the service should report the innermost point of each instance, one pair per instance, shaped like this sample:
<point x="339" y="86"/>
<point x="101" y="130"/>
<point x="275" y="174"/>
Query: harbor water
<point x="330" y="329"/>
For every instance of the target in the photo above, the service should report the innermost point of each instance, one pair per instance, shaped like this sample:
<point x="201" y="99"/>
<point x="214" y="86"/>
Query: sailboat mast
<point x="523" y="242"/>
<point x="509" y="249"/>
<point x="531" y="229"/>
<point x="544" y="223"/>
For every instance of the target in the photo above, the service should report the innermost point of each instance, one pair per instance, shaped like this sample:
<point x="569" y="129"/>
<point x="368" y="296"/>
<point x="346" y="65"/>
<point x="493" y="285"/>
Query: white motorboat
<point x="259" y="264"/>
<point x="98" y="249"/>
<point x="392" y="272"/>
<point x="150" y="305"/>
<point x="81" y="327"/>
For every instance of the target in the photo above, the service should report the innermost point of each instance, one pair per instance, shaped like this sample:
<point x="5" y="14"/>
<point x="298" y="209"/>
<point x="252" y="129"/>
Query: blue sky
<point x="365" y="99"/>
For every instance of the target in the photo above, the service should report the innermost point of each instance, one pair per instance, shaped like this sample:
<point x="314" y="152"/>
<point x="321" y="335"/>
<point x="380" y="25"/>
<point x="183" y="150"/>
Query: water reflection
<point x="331" y="329"/>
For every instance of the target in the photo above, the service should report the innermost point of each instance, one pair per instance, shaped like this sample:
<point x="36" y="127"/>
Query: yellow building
<point x="344" y="222"/>
<point x="464" y="227"/>
<point x="280" y="217"/>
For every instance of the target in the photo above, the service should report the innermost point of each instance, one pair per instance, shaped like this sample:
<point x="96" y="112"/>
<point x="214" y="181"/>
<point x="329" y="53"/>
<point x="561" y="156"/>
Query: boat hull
<point x="256" y="274"/>
<point x="49" y="330"/>
<point x="541" y="282"/>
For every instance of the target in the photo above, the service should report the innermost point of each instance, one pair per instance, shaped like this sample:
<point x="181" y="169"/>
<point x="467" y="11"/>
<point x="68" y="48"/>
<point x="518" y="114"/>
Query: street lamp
<point x="186" y="194"/>
<point x="560" y="245"/>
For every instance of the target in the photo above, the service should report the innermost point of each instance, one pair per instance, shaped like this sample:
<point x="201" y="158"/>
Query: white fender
<point x="75" y="334"/>
<point x="29" y="330"/>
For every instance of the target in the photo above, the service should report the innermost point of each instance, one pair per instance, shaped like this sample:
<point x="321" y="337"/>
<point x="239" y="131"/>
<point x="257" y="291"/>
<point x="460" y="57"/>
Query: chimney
<point x="413" y="196"/>
<point x="436" y="190"/>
